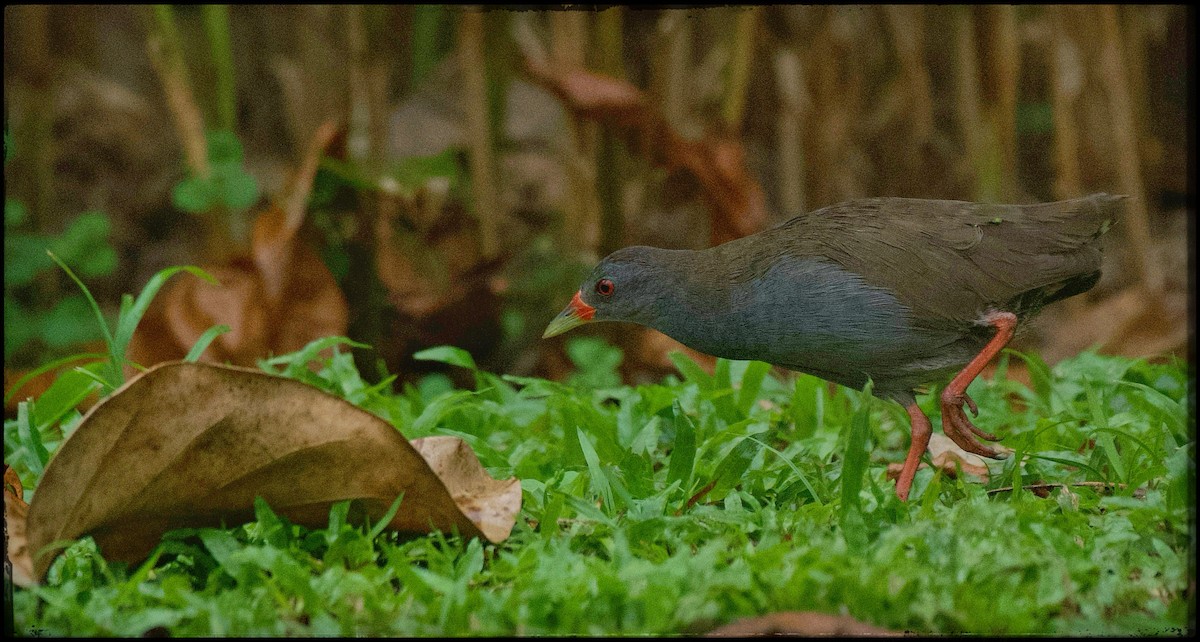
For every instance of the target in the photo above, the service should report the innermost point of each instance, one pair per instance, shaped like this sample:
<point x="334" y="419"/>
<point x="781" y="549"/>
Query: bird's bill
<point x="575" y="314"/>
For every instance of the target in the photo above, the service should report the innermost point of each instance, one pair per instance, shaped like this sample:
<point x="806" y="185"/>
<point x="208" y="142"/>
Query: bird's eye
<point x="605" y="287"/>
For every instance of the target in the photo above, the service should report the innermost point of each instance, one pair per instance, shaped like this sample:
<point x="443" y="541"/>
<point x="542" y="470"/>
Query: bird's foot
<point x="959" y="428"/>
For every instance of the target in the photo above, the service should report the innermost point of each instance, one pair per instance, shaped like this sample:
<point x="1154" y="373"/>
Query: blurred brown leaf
<point x="193" y="445"/>
<point x="801" y="623"/>
<point x="718" y="161"/>
<point x="276" y="300"/>
<point x="1132" y="323"/>
<point x="16" y="549"/>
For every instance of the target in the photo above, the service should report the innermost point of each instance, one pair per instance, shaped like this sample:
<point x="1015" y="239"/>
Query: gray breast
<point x="810" y="315"/>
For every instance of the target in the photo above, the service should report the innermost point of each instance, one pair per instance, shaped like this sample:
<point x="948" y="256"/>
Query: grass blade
<point x="108" y="337"/>
<point x="854" y="468"/>
<point x="202" y="343"/>
<point x="729" y="472"/>
<point x="48" y="367"/>
<point x="683" y="455"/>
<point x="598" y="474"/>
<point x="128" y="321"/>
<point x="752" y="381"/>
<point x="386" y="519"/>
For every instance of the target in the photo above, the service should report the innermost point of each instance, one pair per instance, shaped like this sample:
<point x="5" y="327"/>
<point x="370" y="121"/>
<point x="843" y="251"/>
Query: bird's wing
<point x="950" y="261"/>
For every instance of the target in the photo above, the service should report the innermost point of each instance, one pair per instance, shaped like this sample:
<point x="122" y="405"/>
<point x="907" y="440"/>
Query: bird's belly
<point x="814" y="316"/>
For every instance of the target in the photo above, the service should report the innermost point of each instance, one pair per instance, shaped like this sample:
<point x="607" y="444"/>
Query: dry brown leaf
<point x="192" y="445"/>
<point x="949" y="458"/>
<point x="276" y="300"/>
<point x="735" y="198"/>
<point x="802" y="623"/>
<point x="16" y="511"/>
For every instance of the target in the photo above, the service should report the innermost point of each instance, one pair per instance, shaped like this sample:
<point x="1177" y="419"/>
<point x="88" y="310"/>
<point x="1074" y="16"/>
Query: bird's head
<point x="627" y="285"/>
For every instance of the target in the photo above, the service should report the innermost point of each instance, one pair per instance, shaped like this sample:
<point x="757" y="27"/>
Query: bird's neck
<point x="695" y="305"/>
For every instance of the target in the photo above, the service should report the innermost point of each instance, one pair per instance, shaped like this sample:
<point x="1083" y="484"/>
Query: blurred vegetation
<point x="463" y="197"/>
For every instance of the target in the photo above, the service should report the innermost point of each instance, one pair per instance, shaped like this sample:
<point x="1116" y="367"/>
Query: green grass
<point x="799" y="517"/>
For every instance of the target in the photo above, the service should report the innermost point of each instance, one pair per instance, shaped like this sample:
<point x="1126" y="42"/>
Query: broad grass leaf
<point x="190" y="445"/>
<point x="683" y="453"/>
<point x="752" y="381"/>
<point x="853" y="470"/>
<point x="730" y="470"/>
<point x="447" y="354"/>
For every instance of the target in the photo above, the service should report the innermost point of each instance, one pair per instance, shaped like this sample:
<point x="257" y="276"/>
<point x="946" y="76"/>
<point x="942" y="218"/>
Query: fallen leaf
<point x="950" y="459"/>
<point x="801" y="623"/>
<point x="275" y="300"/>
<point x="192" y="445"/>
<point x="735" y="198"/>
<point x="16" y="511"/>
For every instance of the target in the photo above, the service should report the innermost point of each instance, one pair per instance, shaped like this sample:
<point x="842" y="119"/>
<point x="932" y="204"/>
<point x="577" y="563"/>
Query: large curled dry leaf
<point x="735" y="198"/>
<point x="15" y="514"/>
<point x="192" y="445"/>
<point x="275" y="300"/>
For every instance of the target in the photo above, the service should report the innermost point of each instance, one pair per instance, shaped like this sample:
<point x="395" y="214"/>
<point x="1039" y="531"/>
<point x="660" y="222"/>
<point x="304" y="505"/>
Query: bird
<point x="902" y="292"/>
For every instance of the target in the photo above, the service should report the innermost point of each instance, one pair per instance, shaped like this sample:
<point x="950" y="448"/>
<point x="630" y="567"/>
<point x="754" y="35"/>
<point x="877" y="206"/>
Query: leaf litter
<point x="187" y="445"/>
<point x="275" y="298"/>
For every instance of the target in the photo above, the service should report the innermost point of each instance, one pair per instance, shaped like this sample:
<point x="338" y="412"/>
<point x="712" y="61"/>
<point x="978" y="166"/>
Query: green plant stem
<point x="166" y="52"/>
<point x="216" y="25"/>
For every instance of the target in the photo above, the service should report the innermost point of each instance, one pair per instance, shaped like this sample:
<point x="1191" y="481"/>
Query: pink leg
<point x="921" y="431"/>
<point x="954" y="421"/>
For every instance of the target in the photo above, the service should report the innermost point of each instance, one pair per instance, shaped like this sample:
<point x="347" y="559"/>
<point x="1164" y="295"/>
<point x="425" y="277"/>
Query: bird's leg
<point x="921" y="431"/>
<point x="954" y="421"/>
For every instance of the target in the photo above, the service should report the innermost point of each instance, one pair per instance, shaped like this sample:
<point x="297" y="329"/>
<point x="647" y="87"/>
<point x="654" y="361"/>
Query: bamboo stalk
<point x="1005" y="65"/>
<point x="568" y="50"/>
<point x="1124" y="132"/>
<point x="1066" y="82"/>
<point x="166" y="53"/>
<point x="367" y="132"/>
<point x="966" y="97"/>
<point x="740" y="58"/>
<point x="32" y="175"/>
<point x="789" y="79"/>
<point x="358" y="134"/>
<point x="907" y="26"/>
<point x="475" y="99"/>
<point x="673" y="65"/>
<point x="609" y="47"/>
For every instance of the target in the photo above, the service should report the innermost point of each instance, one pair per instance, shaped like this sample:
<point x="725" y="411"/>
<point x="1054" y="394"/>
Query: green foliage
<point x="130" y="314"/>
<point x="228" y="185"/>
<point x="29" y="318"/>
<point x="800" y="516"/>
<point x="595" y="361"/>
<point x="53" y="416"/>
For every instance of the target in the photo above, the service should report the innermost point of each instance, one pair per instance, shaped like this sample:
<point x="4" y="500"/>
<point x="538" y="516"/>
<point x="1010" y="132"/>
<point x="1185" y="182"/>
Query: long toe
<point x="953" y="406"/>
<point x="959" y="429"/>
<point x="971" y="404"/>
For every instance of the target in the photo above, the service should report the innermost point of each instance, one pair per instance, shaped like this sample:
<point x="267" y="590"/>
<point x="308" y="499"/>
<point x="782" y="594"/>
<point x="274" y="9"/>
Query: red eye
<point x="605" y="287"/>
